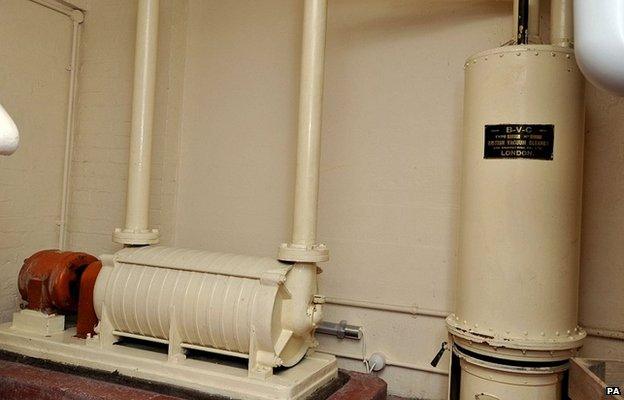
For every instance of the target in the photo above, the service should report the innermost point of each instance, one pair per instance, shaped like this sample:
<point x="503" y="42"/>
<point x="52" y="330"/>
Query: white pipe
<point x="561" y="23"/>
<point x="9" y="135"/>
<point x="405" y="365"/>
<point x="415" y="310"/>
<point x="604" y="333"/>
<point x="77" y="18"/>
<point x="304" y="247"/>
<point x="310" y="114"/>
<point x="396" y="308"/>
<point x="137" y="230"/>
<point x="56" y="6"/>
<point x="599" y="42"/>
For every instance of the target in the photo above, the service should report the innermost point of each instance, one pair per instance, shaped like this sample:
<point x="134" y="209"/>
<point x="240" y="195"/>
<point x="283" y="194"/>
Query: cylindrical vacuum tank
<point x="517" y="293"/>
<point x="226" y="303"/>
<point x="486" y="380"/>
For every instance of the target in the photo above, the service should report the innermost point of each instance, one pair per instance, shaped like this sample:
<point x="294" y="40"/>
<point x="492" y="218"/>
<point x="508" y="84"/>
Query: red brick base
<point x="361" y="387"/>
<point x="19" y="381"/>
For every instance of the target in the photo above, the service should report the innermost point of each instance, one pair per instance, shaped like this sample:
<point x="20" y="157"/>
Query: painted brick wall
<point x="100" y="167"/>
<point x="389" y="190"/>
<point x="34" y="80"/>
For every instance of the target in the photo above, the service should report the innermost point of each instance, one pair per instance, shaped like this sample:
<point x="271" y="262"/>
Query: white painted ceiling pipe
<point x="9" y="135"/>
<point x="136" y="231"/>
<point x="304" y="246"/>
<point x="599" y="42"/>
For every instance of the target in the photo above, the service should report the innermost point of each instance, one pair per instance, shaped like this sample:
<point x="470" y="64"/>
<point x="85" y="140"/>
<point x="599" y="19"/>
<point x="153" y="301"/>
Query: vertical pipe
<point x="516" y="19"/>
<point x="304" y="247"/>
<point x="137" y="231"/>
<point x="521" y="14"/>
<point x="310" y="113"/>
<point x="534" y="21"/>
<point x="77" y="18"/>
<point x="561" y="23"/>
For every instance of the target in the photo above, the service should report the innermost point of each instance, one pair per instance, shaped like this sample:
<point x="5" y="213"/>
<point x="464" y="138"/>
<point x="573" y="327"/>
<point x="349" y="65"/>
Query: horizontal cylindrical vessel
<point x="219" y="301"/>
<point x="212" y="310"/>
<point x="521" y="203"/>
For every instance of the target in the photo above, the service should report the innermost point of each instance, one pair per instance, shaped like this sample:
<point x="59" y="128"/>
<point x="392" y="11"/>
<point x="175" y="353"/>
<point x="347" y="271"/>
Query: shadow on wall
<point x="392" y="141"/>
<point x="408" y="17"/>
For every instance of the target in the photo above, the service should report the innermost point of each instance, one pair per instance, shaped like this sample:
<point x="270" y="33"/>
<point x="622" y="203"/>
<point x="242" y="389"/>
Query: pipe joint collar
<point x="135" y="237"/>
<point x="290" y="252"/>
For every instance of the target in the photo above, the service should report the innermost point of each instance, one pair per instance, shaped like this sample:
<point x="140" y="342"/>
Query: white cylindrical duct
<point x="304" y="246"/>
<point x="136" y="231"/>
<point x="77" y="19"/>
<point x="212" y="301"/>
<point x="561" y="23"/>
<point x="9" y="135"/>
<point x="599" y="42"/>
<point x="310" y="116"/>
<point x="521" y="204"/>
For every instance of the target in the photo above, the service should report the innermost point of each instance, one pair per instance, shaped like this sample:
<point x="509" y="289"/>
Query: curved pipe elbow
<point x="599" y="42"/>
<point x="9" y="135"/>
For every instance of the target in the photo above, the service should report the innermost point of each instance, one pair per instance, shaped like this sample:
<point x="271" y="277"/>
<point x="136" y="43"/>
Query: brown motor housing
<point x="53" y="282"/>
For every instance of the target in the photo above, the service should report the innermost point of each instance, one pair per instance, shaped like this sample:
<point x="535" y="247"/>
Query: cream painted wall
<point x="390" y="169"/>
<point x="223" y="167"/>
<point x="390" y="163"/>
<point x="35" y="48"/>
<point x="602" y="260"/>
<point x="100" y="167"/>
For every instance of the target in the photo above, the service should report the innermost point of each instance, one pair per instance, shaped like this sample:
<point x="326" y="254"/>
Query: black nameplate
<point x="528" y="141"/>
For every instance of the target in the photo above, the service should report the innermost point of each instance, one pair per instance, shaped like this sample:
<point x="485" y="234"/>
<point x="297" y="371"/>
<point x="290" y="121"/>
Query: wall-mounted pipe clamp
<point x="341" y="330"/>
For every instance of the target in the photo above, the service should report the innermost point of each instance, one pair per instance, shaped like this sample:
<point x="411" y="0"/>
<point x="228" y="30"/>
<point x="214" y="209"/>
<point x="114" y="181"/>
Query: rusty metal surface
<point x="87" y="319"/>
<point x="49" y="280"/>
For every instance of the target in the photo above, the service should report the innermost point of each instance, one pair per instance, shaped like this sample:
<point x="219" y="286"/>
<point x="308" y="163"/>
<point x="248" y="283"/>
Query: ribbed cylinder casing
<point x="521" y="203"/>
<point x="225" y="302"/>
<point x="212" y="310"/>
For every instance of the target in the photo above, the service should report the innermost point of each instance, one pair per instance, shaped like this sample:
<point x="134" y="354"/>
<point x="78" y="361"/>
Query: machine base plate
<point x="313" y="372"/>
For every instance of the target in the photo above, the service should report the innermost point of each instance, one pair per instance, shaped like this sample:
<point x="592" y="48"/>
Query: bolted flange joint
<point x="290" y="252"/>
<point x="134" y="237"/>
